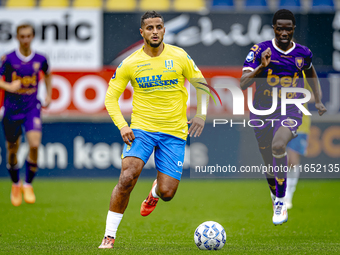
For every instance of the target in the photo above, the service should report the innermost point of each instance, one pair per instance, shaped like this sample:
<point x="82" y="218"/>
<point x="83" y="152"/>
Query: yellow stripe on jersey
<point x="159" y="98"/>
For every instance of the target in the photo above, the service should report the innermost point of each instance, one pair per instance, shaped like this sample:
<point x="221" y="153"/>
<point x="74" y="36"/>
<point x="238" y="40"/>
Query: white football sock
<point x="153" y="192"/>
<point x="112" y="222"/>
<point x="292" y="180"/>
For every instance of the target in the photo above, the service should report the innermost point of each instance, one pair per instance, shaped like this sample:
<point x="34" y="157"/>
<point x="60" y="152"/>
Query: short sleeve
<point x="253" y="59"/>
<point x="190" y="70"/>
<point x="308" y="59"/>
<point x="45" y="67"/>
<point x="120" y="78"/>
<point x="4" y="64"/>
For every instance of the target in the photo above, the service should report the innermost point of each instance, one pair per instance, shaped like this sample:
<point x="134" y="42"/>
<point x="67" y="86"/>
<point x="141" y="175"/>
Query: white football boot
<point x="273" y="197"/>
<point x="280" y="211"/>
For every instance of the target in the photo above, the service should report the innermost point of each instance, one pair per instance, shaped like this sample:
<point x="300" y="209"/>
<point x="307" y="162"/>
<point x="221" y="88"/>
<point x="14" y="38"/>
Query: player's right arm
<point x="249" y="73"/>
<point x="117" y="86"/>
<point x="7" y="86"/>
<point x="10" y="87"/>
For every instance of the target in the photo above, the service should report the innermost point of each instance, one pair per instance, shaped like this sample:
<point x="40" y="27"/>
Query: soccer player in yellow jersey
<point x="158" y="123"/>
<point x="296" y="148"/>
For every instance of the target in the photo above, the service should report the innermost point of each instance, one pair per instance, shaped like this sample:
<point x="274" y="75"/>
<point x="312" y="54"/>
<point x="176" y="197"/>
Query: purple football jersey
<point x="284" y="70"/>
<point x="16" y="66"/>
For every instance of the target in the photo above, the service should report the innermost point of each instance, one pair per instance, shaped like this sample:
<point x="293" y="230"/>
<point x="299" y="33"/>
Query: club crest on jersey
<point x="169" y="64"/>
<point x="250" y="56"/>
<point x="36" y="66"/>
<point x="299" y="61"/>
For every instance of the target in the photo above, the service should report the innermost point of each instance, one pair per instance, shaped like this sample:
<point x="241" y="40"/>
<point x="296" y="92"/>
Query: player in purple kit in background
<point x="22" y="109"/>
<point x="275" y="64"/>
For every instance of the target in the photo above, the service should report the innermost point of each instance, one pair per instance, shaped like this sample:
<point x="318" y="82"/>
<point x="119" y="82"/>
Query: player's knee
<point x="166" y="193"/>
<point x="167" y="197"/>
<point x="278" y="148"/>
<point x="34" y="147"/>
<point x="127" y="179"/>
<point x="12" y="148"/>
<point x="12" y="158"/>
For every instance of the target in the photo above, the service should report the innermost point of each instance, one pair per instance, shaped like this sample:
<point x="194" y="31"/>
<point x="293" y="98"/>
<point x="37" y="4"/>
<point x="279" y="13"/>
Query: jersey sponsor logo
<point x="26" y="80"/>
<point x="285" y="81"/>
<point x="148" y="64"/>
<point x="114" y="75"/>
<point x="250" y="56"/>
<point x="154" y="81"/>
<point x="169" y="64"/>
<point x="289" y="95"/>
<point x="26" y="91"/>
<point x="299" y="62"/>
<point x="179" y="163"/>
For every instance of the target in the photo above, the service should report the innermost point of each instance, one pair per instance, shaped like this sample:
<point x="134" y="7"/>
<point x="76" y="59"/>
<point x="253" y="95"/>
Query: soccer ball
<point x="210" y="235"/>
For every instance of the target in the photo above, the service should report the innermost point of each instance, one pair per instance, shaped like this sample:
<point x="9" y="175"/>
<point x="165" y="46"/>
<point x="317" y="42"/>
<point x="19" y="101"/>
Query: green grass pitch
<point x="69" y="218"/>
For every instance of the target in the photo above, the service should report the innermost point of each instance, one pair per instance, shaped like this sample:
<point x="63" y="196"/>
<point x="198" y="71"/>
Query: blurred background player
<point x="279" y="63"/>
<point x="157" y="73"/>
<point x="297" y="148"/>
<point x="22" y="110"/>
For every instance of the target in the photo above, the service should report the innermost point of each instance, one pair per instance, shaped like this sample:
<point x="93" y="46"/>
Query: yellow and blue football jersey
<point x="159" y="98"/>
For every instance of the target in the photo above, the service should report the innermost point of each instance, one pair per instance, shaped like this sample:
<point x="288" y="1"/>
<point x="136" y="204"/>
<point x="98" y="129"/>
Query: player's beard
<point x="155" y="45"/>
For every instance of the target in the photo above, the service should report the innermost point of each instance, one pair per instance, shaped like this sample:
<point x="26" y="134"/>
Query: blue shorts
<point x="299" y="144"/>
<point x="169" y="151"/>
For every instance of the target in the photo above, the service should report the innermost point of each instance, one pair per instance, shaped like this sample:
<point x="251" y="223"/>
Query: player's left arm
<point x="312" y="98"/>
<point x="312" y="77"/>
<point x="195" y="77"/>
<point x="48" y="82"/>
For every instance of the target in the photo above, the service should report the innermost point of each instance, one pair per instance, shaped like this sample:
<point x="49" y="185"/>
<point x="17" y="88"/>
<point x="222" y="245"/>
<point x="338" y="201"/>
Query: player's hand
<point x="266" y="57"/>
<point x="321" y="108"/>
<point x="196" y="128"/>
<point x="14" y="86"/>
<point x="127" y="135"/>
<point x="48" y="100"/>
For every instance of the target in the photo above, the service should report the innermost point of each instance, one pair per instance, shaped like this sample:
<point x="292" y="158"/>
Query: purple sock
<point x="31" y="169"/>
<point x="13" y="172"/>
<point x="279" y="163"/>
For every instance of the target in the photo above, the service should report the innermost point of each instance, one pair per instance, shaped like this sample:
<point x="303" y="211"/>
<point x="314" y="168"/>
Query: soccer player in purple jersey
<point x="22" y="109"/>
<point x="276" y="64"/>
